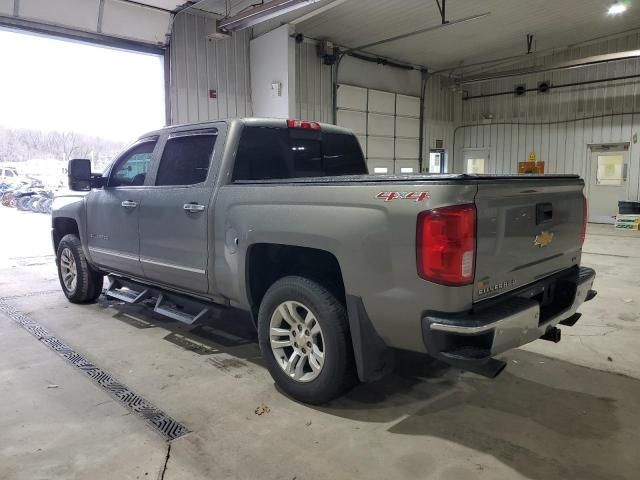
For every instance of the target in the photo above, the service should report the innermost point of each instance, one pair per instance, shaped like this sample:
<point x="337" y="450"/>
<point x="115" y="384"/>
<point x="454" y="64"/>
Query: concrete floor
<point x="559" y="411"/>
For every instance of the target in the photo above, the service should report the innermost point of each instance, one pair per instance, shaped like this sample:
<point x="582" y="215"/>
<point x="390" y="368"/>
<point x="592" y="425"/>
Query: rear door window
<point x="186" y="159"/>
<point x="277" y="153"/>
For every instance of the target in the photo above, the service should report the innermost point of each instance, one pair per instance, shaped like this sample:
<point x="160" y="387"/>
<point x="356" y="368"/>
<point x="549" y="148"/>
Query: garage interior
<point x="491" y="87"/>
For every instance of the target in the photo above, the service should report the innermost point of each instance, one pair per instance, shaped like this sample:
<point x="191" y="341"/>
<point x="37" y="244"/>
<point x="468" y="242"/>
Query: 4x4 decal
<point x="414" y="196"/>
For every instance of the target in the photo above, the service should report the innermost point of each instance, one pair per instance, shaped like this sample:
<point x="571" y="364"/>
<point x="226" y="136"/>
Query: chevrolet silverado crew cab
<point x="337" y="267"/>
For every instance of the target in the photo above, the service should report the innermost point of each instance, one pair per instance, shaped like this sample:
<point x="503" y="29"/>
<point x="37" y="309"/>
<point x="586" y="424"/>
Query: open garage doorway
<point x="63" y="99"/>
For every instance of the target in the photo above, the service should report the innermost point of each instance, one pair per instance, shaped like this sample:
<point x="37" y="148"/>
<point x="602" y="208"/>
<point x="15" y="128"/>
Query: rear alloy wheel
<point x="304" y="337"/>
<point x="296" y="341"/>
<point x="80" y="283"/>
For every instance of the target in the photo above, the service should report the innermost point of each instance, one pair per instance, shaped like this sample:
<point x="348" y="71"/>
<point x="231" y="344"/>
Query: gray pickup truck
<point x="337" y="267"/>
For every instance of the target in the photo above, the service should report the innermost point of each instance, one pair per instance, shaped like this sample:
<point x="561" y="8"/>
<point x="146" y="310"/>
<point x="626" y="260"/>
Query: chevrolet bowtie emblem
<point x="543" y="239"/>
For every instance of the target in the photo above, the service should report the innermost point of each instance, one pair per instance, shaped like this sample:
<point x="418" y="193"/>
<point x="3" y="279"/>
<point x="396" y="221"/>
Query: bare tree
<point x="18" y="145"/>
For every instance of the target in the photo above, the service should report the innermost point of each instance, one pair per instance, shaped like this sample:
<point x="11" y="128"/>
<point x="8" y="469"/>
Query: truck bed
<point x="422" y="178"/>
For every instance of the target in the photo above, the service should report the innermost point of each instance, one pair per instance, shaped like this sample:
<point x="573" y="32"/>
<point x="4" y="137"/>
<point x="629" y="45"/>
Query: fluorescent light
<point x="259" y="14"/>
<point x="617" y="8"/>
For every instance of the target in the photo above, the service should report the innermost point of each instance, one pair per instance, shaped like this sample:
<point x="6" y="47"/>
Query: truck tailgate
<point x="526" y="230"/>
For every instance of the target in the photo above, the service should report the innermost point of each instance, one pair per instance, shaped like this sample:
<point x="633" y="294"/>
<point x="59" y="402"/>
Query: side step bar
<point x="129" y="295"/>
<point x="190" y="313"/>
<point x="177" y="307"/>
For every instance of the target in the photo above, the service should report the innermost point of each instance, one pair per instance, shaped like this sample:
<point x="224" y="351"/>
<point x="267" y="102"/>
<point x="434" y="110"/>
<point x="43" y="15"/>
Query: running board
<point x="122" y="290"/>
<point x="174" y="306"/>
<point x="187" y="315"/>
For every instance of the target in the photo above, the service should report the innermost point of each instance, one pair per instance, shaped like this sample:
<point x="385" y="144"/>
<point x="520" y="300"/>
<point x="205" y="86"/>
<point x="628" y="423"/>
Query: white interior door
<point x="476" y="160"/>
<point x="607" y="184"/>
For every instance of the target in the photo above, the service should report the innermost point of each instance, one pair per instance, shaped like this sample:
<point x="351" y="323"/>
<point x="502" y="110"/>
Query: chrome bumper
<point x="509" y="324"/>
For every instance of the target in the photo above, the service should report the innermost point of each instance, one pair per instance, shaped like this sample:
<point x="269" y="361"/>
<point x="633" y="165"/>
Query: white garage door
<point x="386" y="124"/>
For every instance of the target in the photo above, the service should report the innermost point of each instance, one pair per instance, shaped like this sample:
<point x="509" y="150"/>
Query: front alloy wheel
<point x="68" y="270"/>
<point x="79" y="281"/>
<point x="296" y="341"/>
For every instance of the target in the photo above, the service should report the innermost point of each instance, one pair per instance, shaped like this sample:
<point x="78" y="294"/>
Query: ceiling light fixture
<point x="617" y="8"/>
<point x="261" y="13"/>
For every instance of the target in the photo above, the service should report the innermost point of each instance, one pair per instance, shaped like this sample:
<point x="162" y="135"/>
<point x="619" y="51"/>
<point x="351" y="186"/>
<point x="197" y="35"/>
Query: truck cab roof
<point x="253" y="121"/>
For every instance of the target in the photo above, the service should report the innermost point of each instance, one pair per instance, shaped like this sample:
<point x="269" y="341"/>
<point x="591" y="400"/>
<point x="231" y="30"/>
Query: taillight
<point x="446" y="245"/>
<point x="305" y="124"/>
<point x="585" y="216"/>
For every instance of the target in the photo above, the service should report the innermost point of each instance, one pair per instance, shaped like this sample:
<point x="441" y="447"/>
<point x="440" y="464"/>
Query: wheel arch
<point x="268" y="262"/>
<point x="63" y="226"/>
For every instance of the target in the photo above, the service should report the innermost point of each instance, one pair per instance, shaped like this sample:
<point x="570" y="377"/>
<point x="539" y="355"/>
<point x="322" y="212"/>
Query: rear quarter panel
<point x="372" y="239"/>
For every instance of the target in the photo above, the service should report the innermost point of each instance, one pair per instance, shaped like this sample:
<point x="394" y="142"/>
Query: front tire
<point x="80" y="283"/>
<point x="304" y="337"/>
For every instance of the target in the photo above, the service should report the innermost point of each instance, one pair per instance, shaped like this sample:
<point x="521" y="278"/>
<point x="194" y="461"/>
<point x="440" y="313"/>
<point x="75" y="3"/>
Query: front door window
<point x="131" y="170"/>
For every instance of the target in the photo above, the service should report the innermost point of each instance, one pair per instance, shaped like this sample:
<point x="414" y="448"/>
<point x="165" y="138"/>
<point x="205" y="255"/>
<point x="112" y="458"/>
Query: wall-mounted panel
<point x="354" y="121"/>
<point x="79" y="14"/>
<point x="271" y="62"/>
<point x="354" y="98"/>
<point x="380" y="147"/>
<point x="209" y="79"/>
<point x="382" y="102"/>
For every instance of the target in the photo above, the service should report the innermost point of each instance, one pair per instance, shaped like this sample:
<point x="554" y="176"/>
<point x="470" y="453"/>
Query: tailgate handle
<point x="544" y="213"/>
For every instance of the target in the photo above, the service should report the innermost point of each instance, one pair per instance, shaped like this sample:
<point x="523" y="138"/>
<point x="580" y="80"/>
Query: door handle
<point x="193" y="207"/>
<point x="129" y="204"/>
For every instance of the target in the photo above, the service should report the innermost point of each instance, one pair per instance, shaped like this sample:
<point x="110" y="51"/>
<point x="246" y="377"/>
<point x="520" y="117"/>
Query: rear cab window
<point x="266" y="153"/>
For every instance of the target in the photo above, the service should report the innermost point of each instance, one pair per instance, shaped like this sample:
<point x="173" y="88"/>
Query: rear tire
<point x="79" y="281"/>
<point x="311" y="327"/>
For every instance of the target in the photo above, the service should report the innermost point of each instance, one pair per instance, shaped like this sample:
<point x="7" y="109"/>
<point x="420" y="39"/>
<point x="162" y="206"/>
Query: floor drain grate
<point x="32" y="294"/>
<point x="155" y="417"/>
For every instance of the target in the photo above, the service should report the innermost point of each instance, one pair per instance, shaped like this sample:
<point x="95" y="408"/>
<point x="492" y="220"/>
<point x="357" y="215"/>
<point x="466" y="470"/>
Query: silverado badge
<point x="543" y="239"/>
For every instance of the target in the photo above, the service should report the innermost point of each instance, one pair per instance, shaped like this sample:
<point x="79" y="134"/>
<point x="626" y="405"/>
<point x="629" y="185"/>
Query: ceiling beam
<point x="317" y="11"/>
<point x="421" y="31"/>
<point x="581" y="62"/>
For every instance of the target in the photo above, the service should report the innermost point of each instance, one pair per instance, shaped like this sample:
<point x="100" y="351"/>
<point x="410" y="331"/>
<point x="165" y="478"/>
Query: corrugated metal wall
<point x="314" y="90"/>
<point x="199" y="65"/>
<point x="558" y="125"/>
<point x="439" y="114"/>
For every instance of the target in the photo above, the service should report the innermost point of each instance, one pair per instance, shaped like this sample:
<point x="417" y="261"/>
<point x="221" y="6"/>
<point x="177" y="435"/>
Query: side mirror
<point x="80" y="177"/>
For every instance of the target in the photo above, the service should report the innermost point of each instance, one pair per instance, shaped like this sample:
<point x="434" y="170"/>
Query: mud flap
<point x="374" y="359"/>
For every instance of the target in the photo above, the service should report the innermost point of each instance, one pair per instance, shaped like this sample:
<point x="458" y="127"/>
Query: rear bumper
<point x="473" y="338"/>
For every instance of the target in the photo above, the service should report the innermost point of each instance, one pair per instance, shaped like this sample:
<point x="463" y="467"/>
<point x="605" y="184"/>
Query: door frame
<point x="486" y="154"/>
<point x="211" y="184"/>
<point x="613" y="148"/>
